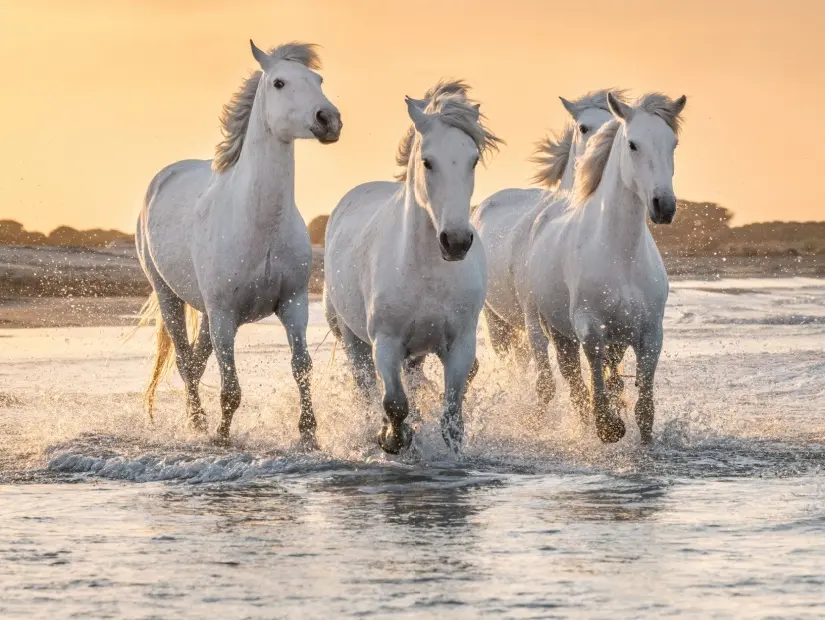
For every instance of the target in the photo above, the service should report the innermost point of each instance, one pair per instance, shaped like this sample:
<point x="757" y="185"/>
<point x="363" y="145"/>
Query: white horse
<point x="595" y="274"/>
<point x="226" y="238"/>
<point x="504" y="221"/>
<point x="402" y="274"/>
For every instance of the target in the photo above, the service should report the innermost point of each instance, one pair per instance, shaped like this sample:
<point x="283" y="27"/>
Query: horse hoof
<point x="222" y="435"/>
<point x="309" y="443"/>
<point x="222" y="440"/>
<point x="453" y="433"/>
<point x="647" y="437"/>
<point x="393" y="439"/>
<point x="198" y="422"/>
<point x="610" y="430"/>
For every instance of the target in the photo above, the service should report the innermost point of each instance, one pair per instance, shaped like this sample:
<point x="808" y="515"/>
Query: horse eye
<point x="632" y="145"/>
<point x="279" y="84"/>
<point x="584" y="129"/>
<point x="427" y="164"/>
<point x="475" y="163"/>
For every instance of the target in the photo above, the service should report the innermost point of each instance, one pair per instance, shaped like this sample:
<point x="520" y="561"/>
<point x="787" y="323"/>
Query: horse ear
<point x="678" y="105"/>
<point x="419" y="118"/>
<point x="421" y="104"/>
<point x="619" y="108"/>
<point x="571" y="107"/>
<point x="261" y="56"/>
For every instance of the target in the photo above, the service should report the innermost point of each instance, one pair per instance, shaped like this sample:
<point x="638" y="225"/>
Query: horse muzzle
<point x="327" y="126"/>
<point x="662" y="209"/>
<point x="455" y="244"/>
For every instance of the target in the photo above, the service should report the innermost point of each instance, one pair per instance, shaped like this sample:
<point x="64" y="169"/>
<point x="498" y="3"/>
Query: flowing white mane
<point x="553" y="152"/>
<point x="235" y="114"/>
<point x="448" y="100"/>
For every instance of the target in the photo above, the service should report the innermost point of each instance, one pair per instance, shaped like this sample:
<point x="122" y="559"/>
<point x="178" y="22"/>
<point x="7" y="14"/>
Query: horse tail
<point x="164" y="347"/>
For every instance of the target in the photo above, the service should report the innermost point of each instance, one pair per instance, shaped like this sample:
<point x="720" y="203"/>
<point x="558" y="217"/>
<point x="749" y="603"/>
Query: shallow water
<point x="104" y="515"/>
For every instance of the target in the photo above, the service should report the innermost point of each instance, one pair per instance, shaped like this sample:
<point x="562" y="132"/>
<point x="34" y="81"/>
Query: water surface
<point x="104" y="515"/>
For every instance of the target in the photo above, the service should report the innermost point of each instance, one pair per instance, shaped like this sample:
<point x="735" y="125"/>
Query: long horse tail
<point x="164" y="347"/>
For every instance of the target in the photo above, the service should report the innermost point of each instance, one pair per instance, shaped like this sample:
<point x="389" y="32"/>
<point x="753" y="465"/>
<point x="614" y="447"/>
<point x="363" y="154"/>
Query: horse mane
<point x="448" y="99"/>
<point x="235" y="114"/>
<point x="553" y="152"/>
<point x="590" y="168"/>
<point x="551" y="155"/>
<point x="662" y="106"/>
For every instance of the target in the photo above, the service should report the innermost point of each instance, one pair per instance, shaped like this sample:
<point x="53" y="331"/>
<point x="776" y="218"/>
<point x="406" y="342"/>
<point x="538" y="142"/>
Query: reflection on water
<point x="628" y="499"/>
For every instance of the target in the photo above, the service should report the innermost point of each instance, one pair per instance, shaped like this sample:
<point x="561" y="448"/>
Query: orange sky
<point x="100" y="94"/>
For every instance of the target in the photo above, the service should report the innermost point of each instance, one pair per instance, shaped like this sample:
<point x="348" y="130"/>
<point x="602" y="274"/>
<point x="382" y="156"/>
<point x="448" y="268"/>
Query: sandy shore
<point x="65" y="287"/>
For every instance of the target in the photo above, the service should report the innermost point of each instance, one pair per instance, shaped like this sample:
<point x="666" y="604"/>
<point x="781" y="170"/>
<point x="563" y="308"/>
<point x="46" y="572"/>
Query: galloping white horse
<point x="595" y="274"/>
<point x="226" y="238"/>
<point x="402" y="274"/>
<point x="504" y="221"/>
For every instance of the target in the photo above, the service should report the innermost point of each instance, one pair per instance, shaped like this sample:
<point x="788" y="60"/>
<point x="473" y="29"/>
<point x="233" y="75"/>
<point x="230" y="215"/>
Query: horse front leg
<point x="388" y="355"/>
<point x="613" y="370"/>
<point x="223" y="327"/>
<point x="294" y="315"/>
<point x="609" y="426"/>
<point x="647" y="351"/>
<point x="567" y="354"/>
<point x="460" y="365"/>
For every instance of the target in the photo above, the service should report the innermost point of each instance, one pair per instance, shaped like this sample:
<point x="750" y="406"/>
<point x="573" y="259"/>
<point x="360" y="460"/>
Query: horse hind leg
<point x="173" y="315"/>
<point x="500" y="334"/>
<point x="201" y="350"/>
<point x="359" y="354"/>
<point x="331" y="316"/>
<point x="223" y="327"/>
<point x="545" y="383"/>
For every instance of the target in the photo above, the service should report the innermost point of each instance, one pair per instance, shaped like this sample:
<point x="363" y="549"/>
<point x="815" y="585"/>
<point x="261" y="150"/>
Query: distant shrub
<point x="13" y="233"/>
<point x="318" y="229"/>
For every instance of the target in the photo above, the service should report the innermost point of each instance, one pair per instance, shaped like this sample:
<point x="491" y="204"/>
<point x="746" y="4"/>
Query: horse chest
<point x="263" y="284"/>
<point x="427" y="322"/>
<point x="620" y="309"/>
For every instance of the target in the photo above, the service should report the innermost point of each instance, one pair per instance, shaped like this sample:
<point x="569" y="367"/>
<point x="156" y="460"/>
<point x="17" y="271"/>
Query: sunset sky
<point x="98" y="95"/>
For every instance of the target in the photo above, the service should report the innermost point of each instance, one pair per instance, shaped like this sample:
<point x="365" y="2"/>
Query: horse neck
<point x="419" y="244"/>
<point x="620" y="214"/>
<point x="264" y="176"/>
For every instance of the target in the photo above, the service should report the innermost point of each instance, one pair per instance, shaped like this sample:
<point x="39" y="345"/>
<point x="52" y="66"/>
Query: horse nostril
<point x="321" y="118"/>
<point x="470" y="241"/>
<point x="656" y="204"/>
<point x="444" y="240"/>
